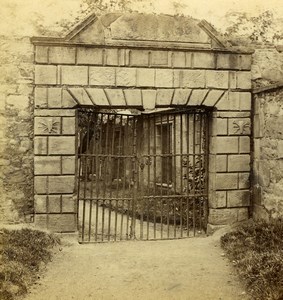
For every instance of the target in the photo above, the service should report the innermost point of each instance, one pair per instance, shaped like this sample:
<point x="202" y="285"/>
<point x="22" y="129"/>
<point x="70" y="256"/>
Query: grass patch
<point x="256" y="250"/>
<point x="23" y="252"/>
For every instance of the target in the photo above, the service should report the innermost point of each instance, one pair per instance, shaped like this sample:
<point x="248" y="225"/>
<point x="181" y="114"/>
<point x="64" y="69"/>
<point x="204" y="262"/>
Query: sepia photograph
<point x="141" y="150"/>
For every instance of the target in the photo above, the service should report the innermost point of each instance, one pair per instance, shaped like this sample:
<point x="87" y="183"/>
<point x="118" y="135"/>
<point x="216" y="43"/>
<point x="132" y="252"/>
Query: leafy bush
<point x="256" y="250"/>
<point x="22" y="253"/>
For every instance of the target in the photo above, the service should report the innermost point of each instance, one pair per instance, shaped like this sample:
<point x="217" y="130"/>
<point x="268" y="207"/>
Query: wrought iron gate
<point x="142" y="176"/>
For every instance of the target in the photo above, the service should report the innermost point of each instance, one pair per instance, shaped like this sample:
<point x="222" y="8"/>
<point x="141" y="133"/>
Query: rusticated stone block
<point x="90" y="56"/>
<point x="98" y="96"/>
<point x="238" y="198"/>
<point x="213" y="97"/>
<point x="69" y="204"/>
<point x="81" y="96"/>
<point x="62" y="222"/>
<point x="139" y="58"/>
<point x="181" y="96"/>
<point x="40" y="184"/>
<point x="244" y="144"/>
<point x="280" y="149"/>
<point x="203" y="60"/>
<point x="219" y="200"/>
<point x="47" y="125"/>
<point x="41" y="54"/>
<point x="193" y="78"/>
<point x="62" y="145"/>
<point x="179" y="59"/>
<point x="40" y="97"/>
<point x="221" y="163"/>
<point x="159" y="58"/>
<point x="244" y="80"/>
<point x="227" y="144"/>
<point x="217" y="79"/>
<point x="226" y="181"/>
<point x="146" y="77"/>
<point x="197" y="97"/>
<point x="67" y="100"/>
<point x="40" y="145"/>
<point x="232" y="80"/>
<point x="177" y="78"/>
<point x="54" y="97"/>
<point x="239" y="126"/>
<point x="116" y="97"/>
<point x="245" y="62"/>
<point x="54" y="203"/>
<point x="54" y="112"/>
<point x="244" y="180"/>
<point x="164" y="78"/>
<point x="47" y="165"/>
<point x="68" y="165"/>
<point x="126" y="77"/>
<point x="164" y="97"/>
<point x="102" y="76"/>
<point x="220" y="126"/>
<point x="112" y="57"/>
<point x="62" y="55"/>
<point x="264" y="173"/>
<point x="40" y="204"/>
<point x="40" y="221"/>
<point x="148" y="99"/>
<point x="74" y="75"/>
<point x="245" y="101"/>
<point x="133" y="97"/>
<point x="61" y="184"/>
<point x="227" y="61"/>
<point x="69" y="125"/>
<point x="45" y="74"/>
<point x="227" y="216"/>
<point x="240" y="162"/>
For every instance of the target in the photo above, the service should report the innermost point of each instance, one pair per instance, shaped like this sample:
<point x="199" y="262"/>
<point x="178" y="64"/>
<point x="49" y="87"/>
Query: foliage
<point x="22" y="254"/>
<point x="256" y="250"/>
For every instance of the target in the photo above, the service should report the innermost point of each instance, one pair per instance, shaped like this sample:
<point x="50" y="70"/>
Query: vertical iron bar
<point x="188" y="171"/>
<point x="154" y="173"/>
<point x="169" y="169"/>
<point x="175" y="173"/>
<point x="181" y="173"/>
<point x="148" y="173"/>
<point x="194" y="173"/>
<point x="161" y="176"/>
<point x="200" y="166"/>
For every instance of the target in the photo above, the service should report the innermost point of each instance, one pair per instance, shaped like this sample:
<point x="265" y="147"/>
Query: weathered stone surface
<point x="227" y="144"/>
<point x="40" y="221"/>
<point x="61" y="145"/>
<point x="221" y="163"/>
<point x="148" y="99"/>
<point x="18" y="101"/>
<point x="239" y="163"/>
<point x="197" y="97"/>
<point x="112" y="57"/>
<point x="232" y="80"/>
<point x="217" y="79"/>
<point x="74" y="75"/>
<point x="67" y="100"/>
<point x="219" y="201"/>
<point x="227" y="215"/>
<point x="159" y="58"/>
<point x="54" y="112"/>
<point x="181" y="96"/>
<point x="164" y="97"/>
<point x="62" y="222"/>
<point x="193" y="78"/>
<point x="81" y="96"/>
<point x="68" y="125"/>
<point x="238" y="198"/>
<point x="179" y="59"/>
<point x="245" y="101"/>
<point x="98" y="96"/>
<point x="40" y="145"/>
<point x="40" y="97"/>
<point x="126" y="77"/>
<point x="212" y="97"/>
<point x="62" y="55"/>
<point x="89" y="56"/>
<point x="244" y="180"/>
<point x="69" y="204"/>
<point x="133" y="97"/>
<point x="45" y="74"/>
<point x="41" y="54"/>
<point x="68" y="165"/>
<point x="146" y="77"/>
<point x="104" y="76"/>
<point x="47" y="165"/>
<point x="264" y="173"/>
<point x="239" y="126"/>
<point x="47" y="125"/>
<point x="139" y="57"/>
<point x="245" y="62"/>
<point x="280" y="149"/>
<point x="40" y="184"/>
<point x="164" y="78"/>
<point x="204" y="60"/>
<point x="61" y="184"/>
<point x="244" y="144"/>
<point x="116" y="97"/>
<point x="244" y="80"/>
<point x="227" y="61"/>
<point x="54" y="203"/>
<point x="40" y="204"/>
<point x="54" y="97"/>
<point x="226" y="181"/>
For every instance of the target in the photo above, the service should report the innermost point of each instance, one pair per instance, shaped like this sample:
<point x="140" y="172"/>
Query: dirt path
<point x="192" y="269"/>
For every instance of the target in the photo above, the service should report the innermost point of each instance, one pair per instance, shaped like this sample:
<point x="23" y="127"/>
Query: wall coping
<point x="268" y="88"/>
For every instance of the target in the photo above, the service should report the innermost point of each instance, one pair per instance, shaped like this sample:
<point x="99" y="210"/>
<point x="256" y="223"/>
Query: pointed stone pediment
<point x="117" y="28"/>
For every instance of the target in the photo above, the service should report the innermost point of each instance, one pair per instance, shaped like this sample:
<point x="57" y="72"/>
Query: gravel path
<point x="192" y="269"/>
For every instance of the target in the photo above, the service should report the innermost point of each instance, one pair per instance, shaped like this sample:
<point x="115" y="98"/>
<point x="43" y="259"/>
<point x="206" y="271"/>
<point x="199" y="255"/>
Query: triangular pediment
<point x="117" y="28"/>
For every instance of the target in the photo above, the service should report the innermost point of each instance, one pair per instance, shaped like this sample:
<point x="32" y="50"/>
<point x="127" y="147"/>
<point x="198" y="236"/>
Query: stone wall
<point x="268" y="153"/>
<point x="16" y="129"/>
